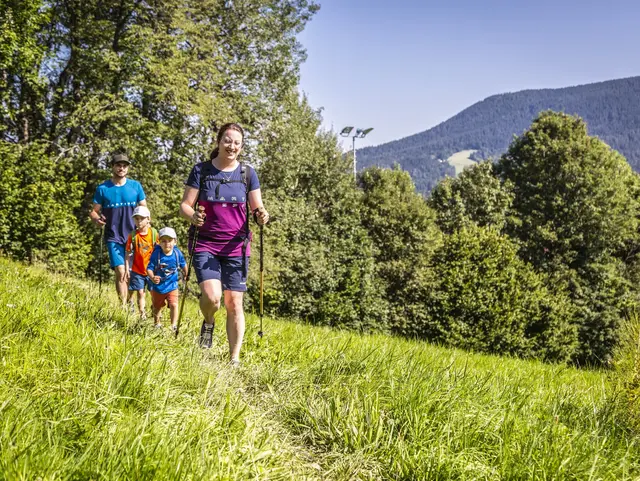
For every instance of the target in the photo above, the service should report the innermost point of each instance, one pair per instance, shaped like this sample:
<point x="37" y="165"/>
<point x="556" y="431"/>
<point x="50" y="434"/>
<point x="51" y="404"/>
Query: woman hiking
<point x="224" y="189"/>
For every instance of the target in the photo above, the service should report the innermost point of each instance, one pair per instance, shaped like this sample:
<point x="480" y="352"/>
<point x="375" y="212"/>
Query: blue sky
<point x="404" y="66"/>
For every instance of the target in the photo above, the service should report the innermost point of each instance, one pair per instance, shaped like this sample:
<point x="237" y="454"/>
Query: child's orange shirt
<point x="142" y="252"/>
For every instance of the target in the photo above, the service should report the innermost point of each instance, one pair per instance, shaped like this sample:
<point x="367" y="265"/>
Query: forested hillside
<point x="611" y="110"/>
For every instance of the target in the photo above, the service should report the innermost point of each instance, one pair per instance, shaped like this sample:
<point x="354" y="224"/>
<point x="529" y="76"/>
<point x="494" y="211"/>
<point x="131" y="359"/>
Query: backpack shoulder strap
<point x="154" y="237"/>
<point x="247" y="230"/>
<point x="133" y="240"/>
<point x="243" y="173"/>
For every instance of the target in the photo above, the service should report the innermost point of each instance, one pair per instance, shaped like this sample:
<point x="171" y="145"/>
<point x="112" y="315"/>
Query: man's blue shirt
<point x="118" y="203"/>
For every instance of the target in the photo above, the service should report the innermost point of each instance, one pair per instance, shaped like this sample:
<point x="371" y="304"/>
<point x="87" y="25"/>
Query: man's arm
<point x="96" y="215"/>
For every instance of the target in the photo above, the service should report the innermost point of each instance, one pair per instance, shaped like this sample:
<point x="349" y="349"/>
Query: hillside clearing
<point x="461" y="160"/>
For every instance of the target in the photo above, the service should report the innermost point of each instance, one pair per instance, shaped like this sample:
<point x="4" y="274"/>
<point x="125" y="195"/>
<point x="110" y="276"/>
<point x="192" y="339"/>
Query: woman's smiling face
<point x="230" y="145"/>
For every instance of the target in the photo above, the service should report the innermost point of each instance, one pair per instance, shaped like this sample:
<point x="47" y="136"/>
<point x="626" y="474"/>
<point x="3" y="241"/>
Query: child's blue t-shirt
<point x="166" y="266"/>
<point x="118" y="203"/>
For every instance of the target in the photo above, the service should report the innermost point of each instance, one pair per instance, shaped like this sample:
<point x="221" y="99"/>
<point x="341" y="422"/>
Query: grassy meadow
<point x="461" y="160"/>
<point x="89" y="392"/>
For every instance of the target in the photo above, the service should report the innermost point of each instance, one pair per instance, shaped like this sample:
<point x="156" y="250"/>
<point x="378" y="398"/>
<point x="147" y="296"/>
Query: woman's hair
<point x="221" y="132"/>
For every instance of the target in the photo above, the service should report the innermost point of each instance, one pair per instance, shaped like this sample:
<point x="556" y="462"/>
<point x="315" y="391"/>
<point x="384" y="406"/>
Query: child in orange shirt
<point x="139" y="247"/>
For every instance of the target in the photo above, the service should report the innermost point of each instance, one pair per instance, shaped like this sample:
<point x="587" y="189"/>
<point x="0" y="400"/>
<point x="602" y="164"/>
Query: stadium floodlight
<point x="364" y="132"/>
<point x="346" y="131"/>
<point x="359" y="134"/>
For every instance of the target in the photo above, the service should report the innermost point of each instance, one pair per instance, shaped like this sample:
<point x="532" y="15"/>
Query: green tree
<point x="476" y="197"/>
<point x="575" y="214"/>
<point x="37" y="197"/>
<point x="320" y="266"/>
<point x="21" y="56"/>
<point x="401" y="226"/>
<point x="153" y="78"/>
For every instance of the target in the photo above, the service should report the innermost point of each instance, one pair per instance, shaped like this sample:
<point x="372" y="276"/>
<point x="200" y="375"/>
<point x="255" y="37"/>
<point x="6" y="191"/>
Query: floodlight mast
<point x="360" y="134"/>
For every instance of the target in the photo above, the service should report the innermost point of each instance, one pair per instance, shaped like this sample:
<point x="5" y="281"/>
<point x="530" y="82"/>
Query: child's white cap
<point x="168" y="232"/>
<point x="142" y="211"/>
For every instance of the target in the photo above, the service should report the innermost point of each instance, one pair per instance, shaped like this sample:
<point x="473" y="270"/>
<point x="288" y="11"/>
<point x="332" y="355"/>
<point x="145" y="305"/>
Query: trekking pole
<point x="186" y="278"/>
<point x="260" y="332"/>
<point x="101" y="258"/>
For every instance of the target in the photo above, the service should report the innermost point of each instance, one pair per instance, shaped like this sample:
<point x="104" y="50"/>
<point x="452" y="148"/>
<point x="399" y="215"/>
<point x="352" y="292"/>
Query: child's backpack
<point x="134" y="245"/>
<point x="175" y="253"/>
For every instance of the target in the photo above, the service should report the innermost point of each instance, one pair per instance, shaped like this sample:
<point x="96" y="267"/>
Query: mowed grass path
<point x="87" y="392"/>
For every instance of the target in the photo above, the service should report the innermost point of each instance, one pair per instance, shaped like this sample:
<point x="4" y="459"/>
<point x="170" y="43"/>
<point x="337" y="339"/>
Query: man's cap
<point x="168" y="232"/>
<point x="142" y="211"/>
<point x="120" y="158"/>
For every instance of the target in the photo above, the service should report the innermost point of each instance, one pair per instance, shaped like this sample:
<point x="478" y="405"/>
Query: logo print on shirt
<point x="222" y="198"/>
<point x="233" y="199"/>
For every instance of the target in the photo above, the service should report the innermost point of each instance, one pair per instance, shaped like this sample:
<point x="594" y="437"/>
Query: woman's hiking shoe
<point x="234" y="363"/>
<point x="206" y="335"/>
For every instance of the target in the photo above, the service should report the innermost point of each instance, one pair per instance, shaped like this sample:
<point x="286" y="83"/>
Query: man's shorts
<point x="228" y="270"/>
<point x="159" y="300"/>
<point x="116" y="254"/>
<point x="137" y="282"/>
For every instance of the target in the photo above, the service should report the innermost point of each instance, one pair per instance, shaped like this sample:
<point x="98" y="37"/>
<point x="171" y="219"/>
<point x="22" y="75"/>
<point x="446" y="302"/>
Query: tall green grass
<point x="627" y="364"/>
<point x="89" y="393"/>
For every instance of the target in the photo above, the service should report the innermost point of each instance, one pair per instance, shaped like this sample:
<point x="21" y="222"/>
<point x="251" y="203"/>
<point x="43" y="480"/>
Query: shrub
<point x="38" y="195"/>
<point x="486" y="299"/>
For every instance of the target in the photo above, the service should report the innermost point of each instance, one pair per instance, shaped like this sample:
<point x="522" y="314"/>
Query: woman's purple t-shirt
<point x="225" y="224"/>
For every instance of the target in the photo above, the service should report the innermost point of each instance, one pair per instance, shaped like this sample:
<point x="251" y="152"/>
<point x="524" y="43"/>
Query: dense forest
<point x="611" y="110"/>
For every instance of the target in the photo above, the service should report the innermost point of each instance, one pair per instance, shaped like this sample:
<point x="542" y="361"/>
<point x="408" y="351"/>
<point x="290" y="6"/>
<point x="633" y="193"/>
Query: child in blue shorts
<point x="139" y="247"/>
<point x="162" y="269"/>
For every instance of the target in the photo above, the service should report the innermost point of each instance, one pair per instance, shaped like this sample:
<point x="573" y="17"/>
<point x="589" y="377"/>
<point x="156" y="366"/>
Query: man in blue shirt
<point x="113" y="205"/>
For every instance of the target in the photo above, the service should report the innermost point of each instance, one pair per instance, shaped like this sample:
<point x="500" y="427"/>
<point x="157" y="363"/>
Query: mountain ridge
<point x="611" y="109"/>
